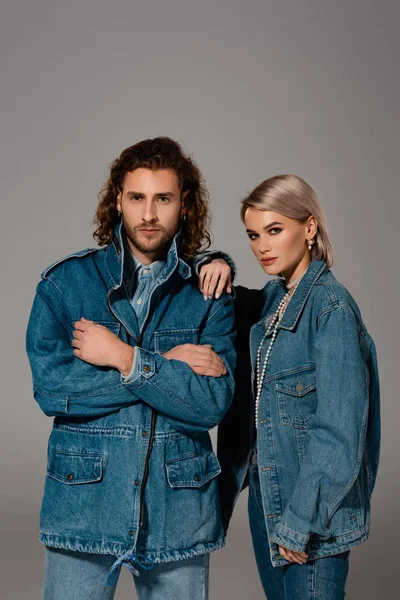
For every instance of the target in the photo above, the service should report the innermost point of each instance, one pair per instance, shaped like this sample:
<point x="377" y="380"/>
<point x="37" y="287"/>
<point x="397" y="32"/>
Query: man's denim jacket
<point x="130" y="465"/>
<point x="318" y="429"/>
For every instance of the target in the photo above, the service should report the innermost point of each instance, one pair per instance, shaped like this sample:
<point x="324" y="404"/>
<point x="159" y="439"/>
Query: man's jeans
<point x="80" y="576"/>
<point x="322" y="579"/>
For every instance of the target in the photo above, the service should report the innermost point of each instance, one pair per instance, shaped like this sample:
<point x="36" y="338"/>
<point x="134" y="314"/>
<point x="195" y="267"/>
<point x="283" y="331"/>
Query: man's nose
<point x="149" y="211"/>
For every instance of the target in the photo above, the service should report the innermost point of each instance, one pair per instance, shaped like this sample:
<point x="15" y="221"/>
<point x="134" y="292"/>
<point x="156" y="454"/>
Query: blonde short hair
<point x="292" y="197"/>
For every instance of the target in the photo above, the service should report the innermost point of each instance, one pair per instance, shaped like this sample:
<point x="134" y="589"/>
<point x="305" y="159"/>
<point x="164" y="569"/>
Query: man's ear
<point x="184" y="207"/>
<point x="119" y="199"/>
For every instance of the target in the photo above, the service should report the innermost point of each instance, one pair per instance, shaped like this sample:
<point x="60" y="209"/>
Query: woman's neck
<point x="291" y="275"/>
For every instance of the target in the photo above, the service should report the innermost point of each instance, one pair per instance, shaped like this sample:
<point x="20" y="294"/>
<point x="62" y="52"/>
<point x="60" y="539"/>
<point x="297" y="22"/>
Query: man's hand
<point x="216" y="274"/>
<point x="202" y="359"/>
<point x="292" y="556"/>
<point x="97" y="345"/>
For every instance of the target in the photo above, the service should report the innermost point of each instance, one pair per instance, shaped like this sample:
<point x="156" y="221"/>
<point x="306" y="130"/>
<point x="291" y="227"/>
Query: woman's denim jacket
<point x="110" y="437"/>
<point x="318" y="430"/>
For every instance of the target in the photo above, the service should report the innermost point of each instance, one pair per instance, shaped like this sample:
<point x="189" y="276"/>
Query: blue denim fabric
<point x="322" y="579"/>
<point x="78" y="576"/>
<point x="139" y="282"/>
<point x="318" y="433"/>
<point x="320" y="407"/>
<point x="108" y="436"/>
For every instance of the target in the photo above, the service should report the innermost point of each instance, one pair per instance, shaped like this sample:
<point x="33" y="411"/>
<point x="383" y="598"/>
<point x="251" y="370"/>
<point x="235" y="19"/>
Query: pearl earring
<point x="310" y="244"/>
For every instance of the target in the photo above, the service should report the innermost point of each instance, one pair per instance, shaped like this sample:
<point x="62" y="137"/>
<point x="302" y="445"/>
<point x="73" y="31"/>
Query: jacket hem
<point x="118" y="549"/>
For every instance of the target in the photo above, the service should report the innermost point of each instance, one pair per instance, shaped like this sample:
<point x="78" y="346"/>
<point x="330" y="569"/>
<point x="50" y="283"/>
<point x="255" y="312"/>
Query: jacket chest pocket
<point x="167" y="339"/>
<point x="297" y="398"/>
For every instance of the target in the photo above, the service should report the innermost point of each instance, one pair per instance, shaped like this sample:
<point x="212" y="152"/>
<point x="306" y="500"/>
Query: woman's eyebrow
<point x="265" y="228"/>
<point x="272" y="224"/>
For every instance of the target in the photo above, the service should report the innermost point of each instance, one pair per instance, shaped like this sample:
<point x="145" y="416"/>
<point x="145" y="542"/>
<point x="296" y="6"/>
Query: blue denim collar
<point x="132" y="265"/>
<point x="299" y="299"/>
<point x="115" y="259"/>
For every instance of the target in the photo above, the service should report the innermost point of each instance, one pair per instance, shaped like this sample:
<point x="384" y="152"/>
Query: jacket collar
<point x="116" y="252"/>
<point x="296" y="305"/>
<point x="133" y="267"/>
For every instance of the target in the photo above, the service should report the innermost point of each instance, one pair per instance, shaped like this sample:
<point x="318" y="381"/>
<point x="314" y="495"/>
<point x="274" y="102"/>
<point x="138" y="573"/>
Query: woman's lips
<point x="268" y="261"/>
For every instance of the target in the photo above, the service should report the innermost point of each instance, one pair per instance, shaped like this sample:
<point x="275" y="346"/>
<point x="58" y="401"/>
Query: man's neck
<point x="145" y="258"/>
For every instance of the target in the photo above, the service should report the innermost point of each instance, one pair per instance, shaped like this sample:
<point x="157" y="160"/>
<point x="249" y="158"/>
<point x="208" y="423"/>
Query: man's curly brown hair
<point x="154" y="154"/>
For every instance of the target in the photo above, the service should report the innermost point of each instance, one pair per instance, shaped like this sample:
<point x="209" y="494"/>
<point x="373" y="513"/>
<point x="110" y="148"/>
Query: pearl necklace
<point x="289" y="286"/>
<point x="275" y="322"/>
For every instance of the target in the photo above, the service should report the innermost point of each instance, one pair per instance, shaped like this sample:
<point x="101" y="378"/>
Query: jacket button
<point x="197" y="478"/>
<point x="299" y="387"/>
<point x="70" y="476"/>
<point x="144" y="433"/>
<point x="131" y="533"/>
<point x="136" y="482"/>
<point x="146" y="369"/>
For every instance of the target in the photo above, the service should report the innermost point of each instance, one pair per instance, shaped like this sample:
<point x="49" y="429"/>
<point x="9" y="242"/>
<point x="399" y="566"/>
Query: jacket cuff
<point x="144" y="365"/>
<point x="135" y="370"/>
<point x="209" y="256"/>
<point x="293" y="532"/>
<point x="288" y="538"/>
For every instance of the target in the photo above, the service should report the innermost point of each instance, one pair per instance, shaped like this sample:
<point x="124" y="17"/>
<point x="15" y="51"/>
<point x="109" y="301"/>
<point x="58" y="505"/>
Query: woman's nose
<point x="264" y="247"/>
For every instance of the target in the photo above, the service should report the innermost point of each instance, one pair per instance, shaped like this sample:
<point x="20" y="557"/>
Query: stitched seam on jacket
<point x="50" y="394"/>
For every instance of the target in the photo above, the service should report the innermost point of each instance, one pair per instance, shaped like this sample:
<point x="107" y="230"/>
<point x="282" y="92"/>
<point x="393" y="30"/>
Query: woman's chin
<point x="272" y="270"/>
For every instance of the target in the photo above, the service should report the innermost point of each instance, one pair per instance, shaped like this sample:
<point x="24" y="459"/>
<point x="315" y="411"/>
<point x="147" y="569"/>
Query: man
<point x="136" y="368"/>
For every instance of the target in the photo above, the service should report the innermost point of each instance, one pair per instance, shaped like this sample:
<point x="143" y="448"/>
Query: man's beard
<point x="158" y="246"/>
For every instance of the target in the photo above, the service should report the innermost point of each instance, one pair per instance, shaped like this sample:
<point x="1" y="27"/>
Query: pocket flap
<point x="297" y="385"/>
<point x="194" y="471"/>
<point x="73" y="468"/>
<point x="297" y="397"/>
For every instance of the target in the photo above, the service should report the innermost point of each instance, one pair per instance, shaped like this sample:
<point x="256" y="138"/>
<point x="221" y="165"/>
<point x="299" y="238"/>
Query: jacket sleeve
<point x="62" y="383"/>
<point x="336" y="432"/>
<point x="191" y="402"/>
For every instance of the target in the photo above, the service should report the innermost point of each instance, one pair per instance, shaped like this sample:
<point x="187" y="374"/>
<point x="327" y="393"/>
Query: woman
<point x="313" y="446"/>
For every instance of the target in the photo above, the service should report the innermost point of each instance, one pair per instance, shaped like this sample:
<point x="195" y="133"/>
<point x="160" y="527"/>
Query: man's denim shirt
<point x="110" y="434"/>
<point x="318" y="432"/>
<point x="139" y="282"/>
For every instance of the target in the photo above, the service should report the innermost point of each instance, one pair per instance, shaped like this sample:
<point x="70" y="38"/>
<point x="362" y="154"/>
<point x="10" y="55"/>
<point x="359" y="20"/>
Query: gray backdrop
<point x="252" y="89"/>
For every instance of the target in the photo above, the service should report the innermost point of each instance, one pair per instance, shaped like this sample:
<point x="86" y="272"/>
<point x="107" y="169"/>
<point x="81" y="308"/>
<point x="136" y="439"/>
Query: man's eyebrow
<point x="135" y="194"/>
<point x="141" y="195"/>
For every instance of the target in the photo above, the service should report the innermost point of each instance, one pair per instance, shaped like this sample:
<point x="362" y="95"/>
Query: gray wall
<point x="250" y="88"/>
